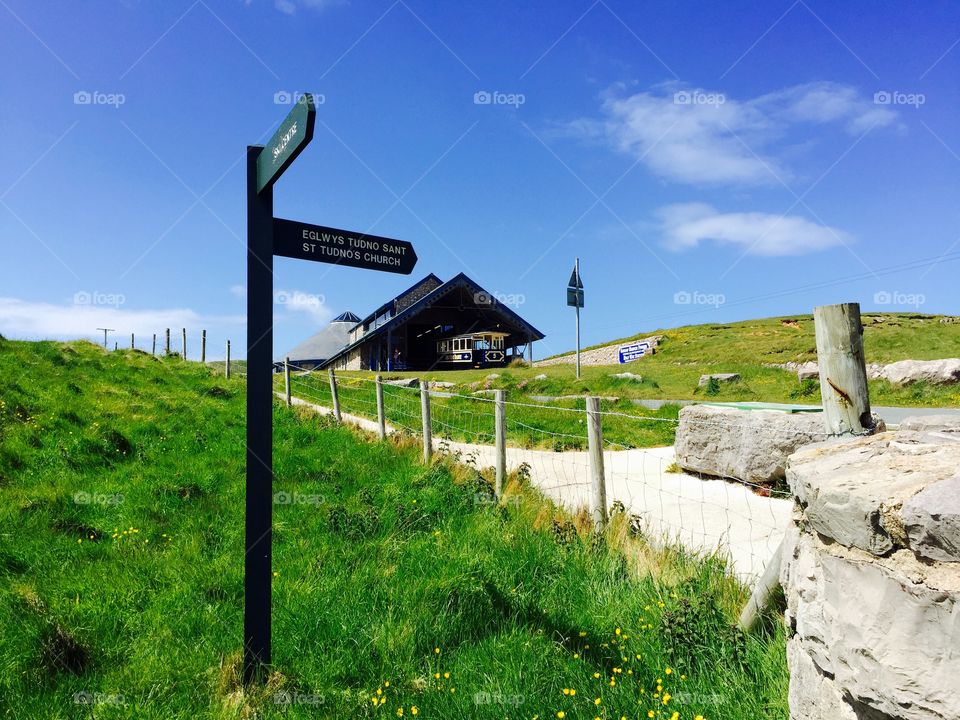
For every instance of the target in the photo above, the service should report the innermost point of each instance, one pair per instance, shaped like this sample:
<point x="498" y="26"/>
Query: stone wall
<point x="871" y="574"/>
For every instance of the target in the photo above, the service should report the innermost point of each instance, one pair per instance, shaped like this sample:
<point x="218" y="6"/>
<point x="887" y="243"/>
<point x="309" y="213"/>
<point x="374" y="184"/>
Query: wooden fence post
<point x="286" y="380"/>
<point x="843" y="369"/>
<point x="168" y="342"/>
<point x="153" y="347"/>
<point x="183" y="344"/>
<point x="500" y="434"/>
<point x="425" y="416"/>
<point x="598" y="494"/>
<point x="381" y="414"/>
<point x="336" y="398"/>
<point x="203" y="346"/>
<point x="227" y="369"/>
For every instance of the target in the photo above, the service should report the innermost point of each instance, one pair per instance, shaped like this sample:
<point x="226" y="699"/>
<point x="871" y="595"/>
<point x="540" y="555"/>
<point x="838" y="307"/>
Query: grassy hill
<point x="749" y="348"/>
<point x="400" y="590"/>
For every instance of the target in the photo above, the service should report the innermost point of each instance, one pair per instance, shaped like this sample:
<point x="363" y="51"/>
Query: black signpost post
<point x="575" y="299"/>
<point x="268" y="236"/>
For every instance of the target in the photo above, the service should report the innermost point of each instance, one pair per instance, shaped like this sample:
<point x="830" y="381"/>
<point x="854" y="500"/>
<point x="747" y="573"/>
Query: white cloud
<point x="80" y="319"/>
<point x="239" y="291"/>
<point x="290" y="7"/>
<point x="686" y="225"/>
<point x="703" y="137"/>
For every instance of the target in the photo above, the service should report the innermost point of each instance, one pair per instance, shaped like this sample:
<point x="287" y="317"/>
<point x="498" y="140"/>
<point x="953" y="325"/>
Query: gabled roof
<point x="460" y="281"/>
<point x="389" y="303"/>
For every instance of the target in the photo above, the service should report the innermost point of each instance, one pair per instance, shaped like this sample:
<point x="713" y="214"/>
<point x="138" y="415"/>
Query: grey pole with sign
<point x="268" y="236"/>
<point x="575" y="300"/>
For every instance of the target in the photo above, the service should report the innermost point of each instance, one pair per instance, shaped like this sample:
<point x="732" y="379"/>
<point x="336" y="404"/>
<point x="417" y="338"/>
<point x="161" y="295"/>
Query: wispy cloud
<point x="705" y="137"/>
<point x="687" y="225"/>
<point x="290" y="7"/>
<point x="51" y="321"/>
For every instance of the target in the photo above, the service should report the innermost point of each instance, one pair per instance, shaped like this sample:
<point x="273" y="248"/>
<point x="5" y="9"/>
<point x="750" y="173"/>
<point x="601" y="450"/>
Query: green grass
<point x="121" y="501"/>
<point x="747" y="348"/>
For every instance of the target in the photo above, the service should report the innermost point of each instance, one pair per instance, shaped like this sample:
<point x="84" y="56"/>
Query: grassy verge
<point x="397" y="586"/>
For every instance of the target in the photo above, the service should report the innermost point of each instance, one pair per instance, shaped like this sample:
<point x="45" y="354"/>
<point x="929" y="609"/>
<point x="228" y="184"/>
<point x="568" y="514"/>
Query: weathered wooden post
<point x="500" y="435"/>
<point x="286" y="380"/>
<point x="598" y="495"/>
<point x="843" y="369"/>
<point x="153" y="347"/>
<point x="167" y="347"/>
<point x="183" y="344"/>
<point x="425" y="416"/>
<point x="203" y="346"/>
<point x="333" y="394"/>
<point x="227" y="368"/>
<point x="381" y="414"/>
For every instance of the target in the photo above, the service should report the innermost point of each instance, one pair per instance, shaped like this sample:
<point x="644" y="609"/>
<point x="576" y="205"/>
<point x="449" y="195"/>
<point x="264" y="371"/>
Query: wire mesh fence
<point x="550" y="443"/>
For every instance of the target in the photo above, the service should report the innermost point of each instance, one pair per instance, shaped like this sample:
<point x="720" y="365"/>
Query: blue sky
<point x="706" y="161"/>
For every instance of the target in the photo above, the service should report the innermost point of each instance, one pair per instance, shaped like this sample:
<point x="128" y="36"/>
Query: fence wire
<point x="549" y="442"/>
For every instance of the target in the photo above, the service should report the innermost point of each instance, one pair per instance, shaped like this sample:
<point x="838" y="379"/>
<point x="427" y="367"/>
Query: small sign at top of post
<point x="293" y="135"/>
<point x="575" y="300"/>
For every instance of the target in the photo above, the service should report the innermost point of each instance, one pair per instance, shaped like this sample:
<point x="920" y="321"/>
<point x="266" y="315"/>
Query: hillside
<point x="397" y="586"/>
<point x="751" y="348"/>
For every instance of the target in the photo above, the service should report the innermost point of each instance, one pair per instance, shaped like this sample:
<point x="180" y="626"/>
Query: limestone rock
<point x="931" y="423"/>
<point x="853" y="491"/>
<point x="751" y="445"/>
<point x="887" y="643"/>
<point x="931" y="519"/>
<point x="937" y="372"/>
<point x="403" y="382"/>
<point x="719" y="377"/>
<point x="541" y="376"/>
<point x="628" y="376"/>
<point x="443" y="385"/>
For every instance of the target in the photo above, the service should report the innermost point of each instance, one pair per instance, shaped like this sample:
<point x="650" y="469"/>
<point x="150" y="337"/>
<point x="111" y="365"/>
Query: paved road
<point x="891" y="415"/>
<point x="702" y="515"/>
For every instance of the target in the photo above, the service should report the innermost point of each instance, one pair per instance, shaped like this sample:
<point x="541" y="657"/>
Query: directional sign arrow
<point x="293" y="135"/>
<point x="303" y="241"/>
<point x="575" y="282"/>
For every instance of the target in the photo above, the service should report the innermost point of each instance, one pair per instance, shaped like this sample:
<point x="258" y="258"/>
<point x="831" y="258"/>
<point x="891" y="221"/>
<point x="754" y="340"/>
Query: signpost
<point x="575" y="299"/>
<point x="268" y="236"/>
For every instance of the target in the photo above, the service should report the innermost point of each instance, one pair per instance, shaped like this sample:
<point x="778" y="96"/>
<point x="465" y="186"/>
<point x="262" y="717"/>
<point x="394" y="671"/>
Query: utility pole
<point x="105" y="331"/>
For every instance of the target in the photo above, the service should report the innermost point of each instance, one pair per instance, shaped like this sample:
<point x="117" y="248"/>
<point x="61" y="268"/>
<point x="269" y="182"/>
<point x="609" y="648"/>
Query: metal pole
<point x="227" y="370"/>
<point x="153" y="348"/>
<point x="286" y="380"/>
<point x="167" y="345"/>
<point x="259" y="488"/>
<point x="578" y="322"/>
<point x="203" y="346"/>
<point x="183" y="344"/>
<point x="381" y="414"/>
<point x="132" y="343"/>
<point x="500" y="434"/>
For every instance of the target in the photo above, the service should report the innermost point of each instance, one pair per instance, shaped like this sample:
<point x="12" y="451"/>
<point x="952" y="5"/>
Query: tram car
<point x="473" y="350"/>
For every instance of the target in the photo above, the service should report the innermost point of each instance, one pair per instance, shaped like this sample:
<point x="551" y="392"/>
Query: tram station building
<point x="436" y="325"/>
